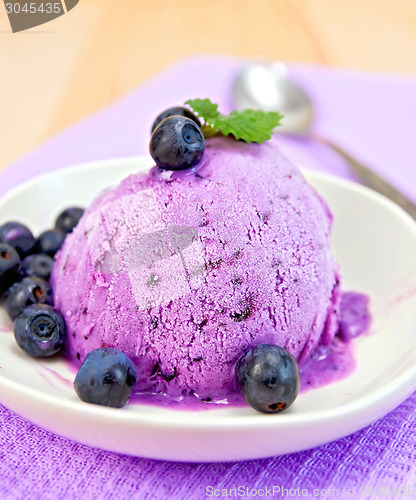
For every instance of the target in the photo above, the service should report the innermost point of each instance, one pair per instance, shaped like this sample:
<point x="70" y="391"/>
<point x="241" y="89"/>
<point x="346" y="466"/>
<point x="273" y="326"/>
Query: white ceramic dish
<point x="375" y="244"/>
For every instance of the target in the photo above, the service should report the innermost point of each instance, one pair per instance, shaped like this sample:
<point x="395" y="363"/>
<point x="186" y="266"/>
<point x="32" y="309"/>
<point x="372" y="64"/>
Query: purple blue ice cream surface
<point x="186" y="272"/>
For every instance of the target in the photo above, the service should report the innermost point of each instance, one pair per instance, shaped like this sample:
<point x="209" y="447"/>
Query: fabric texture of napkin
<point x="371" y="116"/>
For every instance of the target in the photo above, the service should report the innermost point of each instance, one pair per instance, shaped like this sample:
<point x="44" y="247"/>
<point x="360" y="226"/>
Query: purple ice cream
<point x="185" y="271"/>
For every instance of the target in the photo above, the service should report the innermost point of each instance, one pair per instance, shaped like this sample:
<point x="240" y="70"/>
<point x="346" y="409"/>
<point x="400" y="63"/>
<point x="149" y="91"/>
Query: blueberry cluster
<point x="26" y="264"/>
<point x="177" y="141"/>
<point x="107" y="375"/>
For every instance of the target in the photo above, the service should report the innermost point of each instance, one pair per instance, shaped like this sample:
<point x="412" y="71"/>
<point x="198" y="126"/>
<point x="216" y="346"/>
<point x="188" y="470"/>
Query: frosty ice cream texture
<point x="185" y="271"/>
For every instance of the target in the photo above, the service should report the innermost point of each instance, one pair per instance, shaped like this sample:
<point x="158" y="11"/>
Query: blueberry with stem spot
<point x="106" y="378"/>
<point x="18" y="236"/>
<point x="29" y="291"/>
<point x="177" y="143"/>
<point x="68" y="219"/>
<point x="40" y="331"/>
<point x="9" y="267"/>
<point x="268" y="378"/>
<point x="40" y="265"/>
<point x="175" y="111"/>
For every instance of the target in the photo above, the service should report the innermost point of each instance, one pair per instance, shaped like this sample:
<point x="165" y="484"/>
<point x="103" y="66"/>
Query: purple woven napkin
<point x="368" y="114"/>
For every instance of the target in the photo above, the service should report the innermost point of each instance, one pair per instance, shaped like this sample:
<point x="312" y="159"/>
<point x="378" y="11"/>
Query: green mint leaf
<point x="204" y="108"/>
<point x="248" y="125"/>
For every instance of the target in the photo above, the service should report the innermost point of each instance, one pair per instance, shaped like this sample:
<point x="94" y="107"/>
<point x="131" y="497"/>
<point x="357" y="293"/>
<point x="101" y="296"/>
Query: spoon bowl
<point x="269" y="88"/>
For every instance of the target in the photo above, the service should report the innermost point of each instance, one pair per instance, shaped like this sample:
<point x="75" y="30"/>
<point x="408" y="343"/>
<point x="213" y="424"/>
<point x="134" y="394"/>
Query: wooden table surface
<point x="54" y="75"/>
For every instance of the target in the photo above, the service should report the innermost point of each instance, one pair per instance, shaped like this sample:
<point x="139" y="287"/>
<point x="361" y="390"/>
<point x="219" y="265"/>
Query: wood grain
<point x="58" y="73"/>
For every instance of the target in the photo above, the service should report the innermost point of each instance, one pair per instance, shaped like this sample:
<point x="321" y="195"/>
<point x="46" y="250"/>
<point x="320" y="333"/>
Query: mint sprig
<point x="248" y="125"/>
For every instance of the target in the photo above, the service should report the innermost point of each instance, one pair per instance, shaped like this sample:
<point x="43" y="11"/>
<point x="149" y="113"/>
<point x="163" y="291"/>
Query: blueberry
<point x="9" y="267"/>
<point x="38" y="265"/>
<point x="50" y="242"/>
<point x="68" y="219"/>
<point x="268" y="378"/>
<point x="29" y="291"/>
<point x="177" y="143"/>
<point x="105" y="378"/>
<point x="40" y="331"/>
<point x="17" y="236"/>
<point x="177" y="111"/>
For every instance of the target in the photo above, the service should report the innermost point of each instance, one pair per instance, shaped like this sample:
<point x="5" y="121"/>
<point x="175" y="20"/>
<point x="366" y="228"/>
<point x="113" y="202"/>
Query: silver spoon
<point x="268" y="87"/>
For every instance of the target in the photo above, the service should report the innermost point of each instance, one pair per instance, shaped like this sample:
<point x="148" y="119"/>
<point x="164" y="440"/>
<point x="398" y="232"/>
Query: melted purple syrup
<point x="336" y="361"/>
<point x="354" y="317"/>
<point x="327" y="364"/>
<point x="186" y="403"/>
<point x="51" y="375"/>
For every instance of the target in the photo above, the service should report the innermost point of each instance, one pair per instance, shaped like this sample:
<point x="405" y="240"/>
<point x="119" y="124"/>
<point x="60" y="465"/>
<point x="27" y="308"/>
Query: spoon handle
<point x="373" y="180"/>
